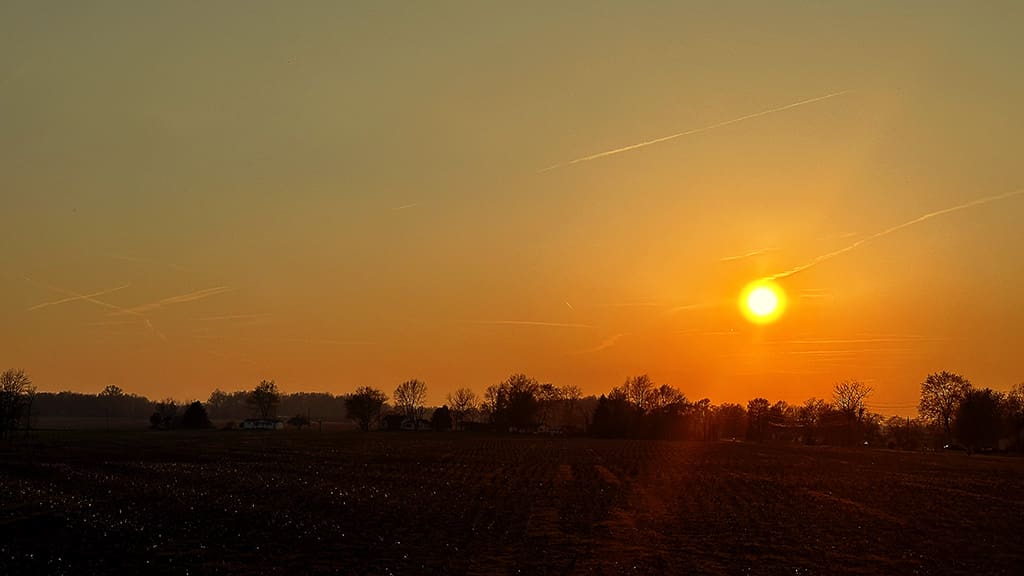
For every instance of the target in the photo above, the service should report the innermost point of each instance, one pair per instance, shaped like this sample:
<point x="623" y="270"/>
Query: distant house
<point x="261" y="424"/>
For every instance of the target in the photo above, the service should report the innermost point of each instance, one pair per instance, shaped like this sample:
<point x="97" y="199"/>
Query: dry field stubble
<point x="379" y="503"/>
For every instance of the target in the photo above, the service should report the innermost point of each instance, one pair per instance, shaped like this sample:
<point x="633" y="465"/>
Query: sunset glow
<point x="345" y="194"/>
<point x="762" y="302"/>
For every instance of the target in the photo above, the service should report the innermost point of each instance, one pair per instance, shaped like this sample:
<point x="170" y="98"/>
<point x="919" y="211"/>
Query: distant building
<point x="261" y="424"/>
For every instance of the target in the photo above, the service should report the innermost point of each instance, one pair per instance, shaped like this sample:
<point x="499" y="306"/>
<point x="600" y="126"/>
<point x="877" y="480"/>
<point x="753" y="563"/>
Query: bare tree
<point x="810" y="414"/>
<point x="850" y="398"/>
<point x="757" y="417"/>
<point x="410" y="396"/>
<point x="461" y="402"/>
<point x="16" y="392"/>
<point x="365" y="406"/>
<point x="265" y="398"/>
<point x="640" y="391"/>
<point x="941" y="394"/>
<point x="571" y="395"/>
<point x="112" y="391"/>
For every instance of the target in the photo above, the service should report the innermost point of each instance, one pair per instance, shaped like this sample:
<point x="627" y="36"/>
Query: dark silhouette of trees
<point x="195" y="416"/>
<point x="112" y="391"/>
<point x="810" y="415"/>
<point x="1014" y="411"/>
<point x="265" y="398"/>
<point x="462" y="402"/>
<point x="409" y="398"/>
<point x="977" y="422"/>
<point x="941" y="394"/>
<point x="757" y="418"/>
<point x="731" y="421"/>
<point x="164" y="413"/>
<point x="641" y="408"/>
<point x="513" y="403"/>
<point x="612" y="417"/>
<point x="441" y="419"/>
<point x="639" y="391"/>
<point x="571" y="396"/>
<point x="365" y="406"/>
<point x="850" y="398"/>
<point x="16" y="393"/>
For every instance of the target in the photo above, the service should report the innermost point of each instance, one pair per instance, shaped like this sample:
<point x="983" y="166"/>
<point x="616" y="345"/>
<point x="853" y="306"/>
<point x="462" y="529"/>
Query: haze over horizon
<point x="341" y="194"/>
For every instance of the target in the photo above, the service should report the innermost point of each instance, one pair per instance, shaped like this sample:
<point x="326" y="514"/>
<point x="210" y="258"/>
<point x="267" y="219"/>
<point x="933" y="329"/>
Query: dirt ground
<point x="304" y="502"/>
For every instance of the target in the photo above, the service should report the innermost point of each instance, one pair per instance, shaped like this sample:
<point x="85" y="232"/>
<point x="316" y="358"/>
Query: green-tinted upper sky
<point x="334" y="194"/>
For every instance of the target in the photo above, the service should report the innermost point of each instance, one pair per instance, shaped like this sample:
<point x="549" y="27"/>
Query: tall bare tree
<point x="16" y="392"/>
<point x="941" y="394"/>
<point x="461" y="402"/>
<point x="265" y="398"/>
<point x="410" y="396"/>
<point x="639" y="391"/>
<point x="850" y="398"/>
<point x="757" y="417"/>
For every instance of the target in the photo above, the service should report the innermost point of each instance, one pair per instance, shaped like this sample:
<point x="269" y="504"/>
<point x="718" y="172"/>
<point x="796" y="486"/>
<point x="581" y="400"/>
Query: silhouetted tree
<point x="164" y="413"/>
<point x="441" y="419"/>
<point x="731" y="420"/>
<point x="640" y="391"/>
<point x="702" y="418"/>
<point x="513" y="403"/>
<point x="850" y="398"/>
<point x="195" y="416"/>
<point x="409" y="397"/>
<point x="977" y="419"/>
<point x="612" y="417"/>
<point x="265" y="398"/>
<point x="571" y="396"/>
<point x="15" y="399"/>
<point x="462" y="402"/>
<point x="941" y="394"/>
<point x="809" y="415"/>
<point x="112" y="391"/>
<point x="218" y="404"/>
<point x="757" y="418"/>
<point x="1014" y="409"/>
<point x="365" y="406"/>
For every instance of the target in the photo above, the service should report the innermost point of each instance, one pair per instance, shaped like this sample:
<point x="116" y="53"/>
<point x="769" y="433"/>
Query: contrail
<point x="406" y="206"/>
<point x="747" y="255"/>
<point x="92" y="299"/>
<point x="83" y="297"/>
<point x="887" y="231"/>
<point x="692" y="131"/>
<point x="531" y="323"/>
<point x="190" y="297"/>
<point x="605" y="344"/>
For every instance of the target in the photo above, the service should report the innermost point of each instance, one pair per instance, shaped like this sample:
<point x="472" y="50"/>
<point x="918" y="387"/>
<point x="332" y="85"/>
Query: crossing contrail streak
<point x="890" y="230"/>
<point x="83" y="297"/>
<point x="692" y="131"/>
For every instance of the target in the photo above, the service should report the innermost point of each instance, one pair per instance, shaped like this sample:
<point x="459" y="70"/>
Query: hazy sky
<point x="337" y="194"/>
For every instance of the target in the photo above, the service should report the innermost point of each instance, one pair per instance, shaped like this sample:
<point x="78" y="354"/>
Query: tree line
<point x="951" y="412"/>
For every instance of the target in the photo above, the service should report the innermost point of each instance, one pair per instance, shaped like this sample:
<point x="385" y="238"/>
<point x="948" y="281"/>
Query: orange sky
<point x="340" y="194"/>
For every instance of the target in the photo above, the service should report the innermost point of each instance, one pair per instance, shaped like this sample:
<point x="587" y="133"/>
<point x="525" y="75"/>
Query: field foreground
<point x="306" y="502"/>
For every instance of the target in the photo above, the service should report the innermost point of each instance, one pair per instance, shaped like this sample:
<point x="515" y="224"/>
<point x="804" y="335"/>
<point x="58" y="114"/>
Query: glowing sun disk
<point x="762" y="301"/>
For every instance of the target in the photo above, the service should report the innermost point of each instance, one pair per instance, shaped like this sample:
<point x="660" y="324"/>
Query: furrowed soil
<point x="422" y="503"/>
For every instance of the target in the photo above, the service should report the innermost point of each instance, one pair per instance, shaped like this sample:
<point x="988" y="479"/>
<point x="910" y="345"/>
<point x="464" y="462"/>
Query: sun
<point x="762" y="301"/>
